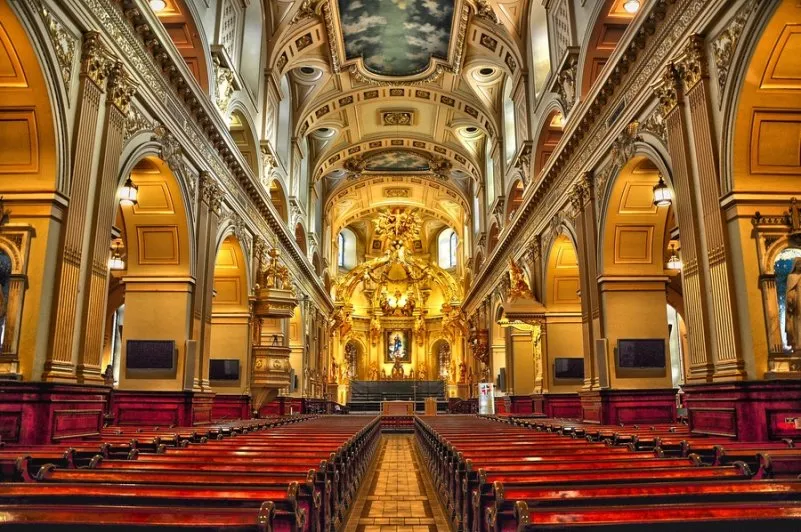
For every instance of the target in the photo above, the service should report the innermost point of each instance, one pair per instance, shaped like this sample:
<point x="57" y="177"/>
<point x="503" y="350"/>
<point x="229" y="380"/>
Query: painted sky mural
<point x="396" y="161"/>
<point x="396" y="37"/>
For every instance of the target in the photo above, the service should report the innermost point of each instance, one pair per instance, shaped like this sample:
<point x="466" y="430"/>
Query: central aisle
<point x="396" y="495"/>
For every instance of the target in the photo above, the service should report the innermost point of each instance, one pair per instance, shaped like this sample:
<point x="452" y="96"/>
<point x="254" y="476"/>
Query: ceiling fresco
<point x="396" y="161"/>
<point x="396" y="37"/>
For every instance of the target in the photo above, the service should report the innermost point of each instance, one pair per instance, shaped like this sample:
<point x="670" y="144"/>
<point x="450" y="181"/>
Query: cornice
<point x="639" y="59"/>
<point x="165" y="81"/>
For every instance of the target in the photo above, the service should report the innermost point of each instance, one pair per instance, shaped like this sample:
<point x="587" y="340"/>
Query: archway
<point x="514" y="199"/>
<point x="230" y="319"/>
<point x="563" y="364"/>
<point x="442" y="359"/>
<point x="245" y="140"/>
<point x="493" y="238"/>
<point x="155" y="245"/>
<point x="634" y="280"/>
<point x="300" y="238"/>
<point x="548" y="139"/>
<point x="278" y="199"/>
<point x="761" y="147"/>
<point x="30" y="171"/>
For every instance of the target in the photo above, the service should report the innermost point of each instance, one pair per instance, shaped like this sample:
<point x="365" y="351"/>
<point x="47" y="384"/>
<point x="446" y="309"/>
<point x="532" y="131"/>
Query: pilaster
<point x="728" y="361"/>
<point x="120" y="91"/>
<point x="583" y="203"/>
<point x="694" y="287"/>
<point x="61" y="358"/>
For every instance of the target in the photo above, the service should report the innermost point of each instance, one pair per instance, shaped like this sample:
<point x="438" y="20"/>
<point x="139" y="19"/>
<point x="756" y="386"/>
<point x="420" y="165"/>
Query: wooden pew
<point x="502" y="515"/>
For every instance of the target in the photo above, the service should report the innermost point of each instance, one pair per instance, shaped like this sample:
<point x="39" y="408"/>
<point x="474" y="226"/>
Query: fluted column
<point x="583" y="202"/>
<point x="694" y="287"/>
<point x="120" y="91"/>
<point x="208" y="220"/>
<point x="728" y="360"/>
<point x="61" y="359"/>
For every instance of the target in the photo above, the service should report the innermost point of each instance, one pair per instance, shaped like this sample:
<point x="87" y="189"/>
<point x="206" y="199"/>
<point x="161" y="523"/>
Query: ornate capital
<point x="693" y="65"/>
<point x="669" y="89"/>
<point x="210" y="192"/>
<point x="484" y="11"/>
<point x="96" y="60"/>
<point x="121" y="88"/>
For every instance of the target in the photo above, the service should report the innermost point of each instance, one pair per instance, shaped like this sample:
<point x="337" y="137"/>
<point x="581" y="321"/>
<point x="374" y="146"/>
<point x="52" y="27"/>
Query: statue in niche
<point x="462" y="372"/>
<point x="452" y="372"/>
<point x="373" y="371"/>
<point x="792" y="321"/>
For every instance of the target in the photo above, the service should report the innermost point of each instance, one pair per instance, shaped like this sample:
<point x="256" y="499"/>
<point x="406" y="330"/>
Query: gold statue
<point x="517" y="281"/>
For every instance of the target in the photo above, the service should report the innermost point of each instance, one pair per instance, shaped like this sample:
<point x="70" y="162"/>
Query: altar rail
<point x="396" y="390"/>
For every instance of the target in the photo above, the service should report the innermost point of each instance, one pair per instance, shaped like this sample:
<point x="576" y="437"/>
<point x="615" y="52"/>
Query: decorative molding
<point x="725" y="43"/>
<point x="64" y="43"/>
<point x="484" y="11"/>
<point x="136" y="122"/>
<point x="397" y="118"/>
<point x="224" y="78"/>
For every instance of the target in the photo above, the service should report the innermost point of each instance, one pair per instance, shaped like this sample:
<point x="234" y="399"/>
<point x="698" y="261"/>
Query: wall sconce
<point x="662" y="195"/>
<point x="115" y="262"/>
<point x="674" y="262"/>
<point x="129" y="193"/>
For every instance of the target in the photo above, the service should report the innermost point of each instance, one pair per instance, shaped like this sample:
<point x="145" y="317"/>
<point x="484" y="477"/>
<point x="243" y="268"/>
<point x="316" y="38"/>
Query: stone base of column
<point x="613" y="407"/>
<point x="33" y="413"/>
<point x="746" y="410"/>
<point x="561" y="405"/>
<point x="180" y="409"/>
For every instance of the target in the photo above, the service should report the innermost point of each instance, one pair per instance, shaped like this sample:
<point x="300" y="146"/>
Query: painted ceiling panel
<point x="396" y="37"/>
<point x="397" y="161"/>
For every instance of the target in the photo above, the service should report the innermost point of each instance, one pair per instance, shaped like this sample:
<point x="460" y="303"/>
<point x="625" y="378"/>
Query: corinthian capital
<point x="121" y="88"/>
<point x="693" y="64"/>
<point x="669" y="89"/>
<point x="96" y="60"/>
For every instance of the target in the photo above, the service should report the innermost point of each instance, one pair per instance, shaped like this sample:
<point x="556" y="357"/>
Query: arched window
<point x="346" y="249"/>
<point x="282" y="132"/>
<point x="489" y="172"/>
<point x="446" y="246"/>
<point x="509" y="134"/>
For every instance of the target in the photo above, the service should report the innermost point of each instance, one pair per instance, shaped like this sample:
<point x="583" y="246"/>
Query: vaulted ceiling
<point x="403" y="87"/>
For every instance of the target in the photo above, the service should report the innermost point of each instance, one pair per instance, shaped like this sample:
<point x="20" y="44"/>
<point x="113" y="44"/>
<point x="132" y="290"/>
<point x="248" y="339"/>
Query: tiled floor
<point x="397" y="496"/>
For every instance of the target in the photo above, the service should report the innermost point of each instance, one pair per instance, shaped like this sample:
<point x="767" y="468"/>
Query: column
<point x="728" y="360"/>
<point x="120" y="91"/>
<point x="694" y="288"/>
<point x="60" y="363"/>
<point x="583" y="202"/>
<point x="207" y="223"/>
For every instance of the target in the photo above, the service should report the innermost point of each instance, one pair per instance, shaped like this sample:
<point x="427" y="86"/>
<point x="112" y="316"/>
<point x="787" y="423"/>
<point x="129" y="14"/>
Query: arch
<point x="538" y="46"/>
<point x="610" y="21"/>
<point x="300" y="238"/>
<point x="765" y="145"/>
<point x="447" y="242"/>
<point x="442" y="356"/>
<point x="242" y="130"/>
<point x="561" y="287"/>
<point x="30" y="159"/>
<point x="231" y="287"/>
<point x="346" y="249"/>
<point x="509" y="130"/>
<point x="492" y="240"/>
<point x="157" y="230"/>
<point x="633" y="231"/>
<point x="284" y="122"/>
<point x="278" y="199"/>
<point x="549" y="136"/>
<point x="514" y="199"/>
<point x="316" y="263"/>
<point x="178" y="19"/>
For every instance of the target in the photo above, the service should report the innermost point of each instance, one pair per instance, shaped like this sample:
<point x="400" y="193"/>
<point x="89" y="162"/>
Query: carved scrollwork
<point x="64" y="43"/>
<point x="724" y="45"/>
<point x="121" y="88"/>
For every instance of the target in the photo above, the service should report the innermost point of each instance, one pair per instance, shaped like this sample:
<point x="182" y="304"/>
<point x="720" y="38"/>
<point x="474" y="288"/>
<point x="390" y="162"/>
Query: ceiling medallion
<point x="412" y="42"/>
<point x="397" y="118"/>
